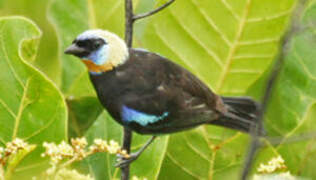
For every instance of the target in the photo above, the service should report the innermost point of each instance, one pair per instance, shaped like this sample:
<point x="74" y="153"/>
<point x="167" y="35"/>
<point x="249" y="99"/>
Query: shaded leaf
<point x="82" y="114"/>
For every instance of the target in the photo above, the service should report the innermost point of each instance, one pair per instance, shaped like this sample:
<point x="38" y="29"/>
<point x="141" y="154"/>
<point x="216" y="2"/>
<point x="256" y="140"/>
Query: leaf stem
<point x="130" y="18"/>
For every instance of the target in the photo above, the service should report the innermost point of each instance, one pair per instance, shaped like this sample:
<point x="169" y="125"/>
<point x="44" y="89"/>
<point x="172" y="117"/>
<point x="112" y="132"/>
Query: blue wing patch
<point x="131" y="115"/>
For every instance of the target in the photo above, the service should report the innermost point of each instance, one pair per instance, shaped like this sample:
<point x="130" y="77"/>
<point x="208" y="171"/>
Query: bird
<point x="150" y="94"/>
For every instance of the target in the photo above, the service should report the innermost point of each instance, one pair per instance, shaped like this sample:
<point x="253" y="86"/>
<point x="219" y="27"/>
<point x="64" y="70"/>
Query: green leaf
<point x="68" y="26"/>
<point x="46" y="57"/>
<point x="292" y="109"/>
<point x="31" y="107"/>
<point x="16" y="159"/>
<point x="82" y="114"/>
<point x="228" y="44"/>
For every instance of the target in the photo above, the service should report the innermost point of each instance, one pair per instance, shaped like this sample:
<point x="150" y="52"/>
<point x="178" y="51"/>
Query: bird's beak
<point x="75" y="50"/>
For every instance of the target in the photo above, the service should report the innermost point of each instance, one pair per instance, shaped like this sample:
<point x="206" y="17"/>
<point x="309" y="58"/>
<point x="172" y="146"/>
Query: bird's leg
<point x="133" y="156"/>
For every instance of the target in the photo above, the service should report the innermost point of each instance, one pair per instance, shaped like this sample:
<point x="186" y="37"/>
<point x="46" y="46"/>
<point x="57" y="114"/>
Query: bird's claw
<point x="123" y="161"/>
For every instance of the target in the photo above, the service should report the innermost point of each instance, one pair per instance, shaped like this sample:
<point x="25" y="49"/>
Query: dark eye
<point x="98" y="43"/>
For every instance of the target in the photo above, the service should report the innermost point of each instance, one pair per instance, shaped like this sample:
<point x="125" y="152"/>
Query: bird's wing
<point x="166" y="90"/>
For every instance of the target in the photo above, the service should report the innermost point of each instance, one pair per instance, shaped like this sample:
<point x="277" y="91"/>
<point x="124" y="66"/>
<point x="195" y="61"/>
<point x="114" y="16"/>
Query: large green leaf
<point x="46" y="59"/>
<point x="31" y="107"/>
<point x="293" y="106"/>
<point x="68" y="26"/>
<point x="105" y="14"/>
<point x="228" y="44"/>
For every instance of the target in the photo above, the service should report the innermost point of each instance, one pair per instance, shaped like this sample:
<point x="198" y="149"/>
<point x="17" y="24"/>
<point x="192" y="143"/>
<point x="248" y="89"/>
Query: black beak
<point x="76" y="51"/>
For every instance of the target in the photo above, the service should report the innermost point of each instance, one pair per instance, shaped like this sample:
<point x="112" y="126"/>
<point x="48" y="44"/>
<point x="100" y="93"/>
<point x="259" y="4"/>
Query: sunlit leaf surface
<point x="229" y="45"/>
<point x="31" y="107"/>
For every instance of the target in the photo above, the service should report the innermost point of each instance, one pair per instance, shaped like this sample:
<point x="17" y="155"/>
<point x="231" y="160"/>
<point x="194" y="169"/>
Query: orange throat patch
<point x="98" y="68"/>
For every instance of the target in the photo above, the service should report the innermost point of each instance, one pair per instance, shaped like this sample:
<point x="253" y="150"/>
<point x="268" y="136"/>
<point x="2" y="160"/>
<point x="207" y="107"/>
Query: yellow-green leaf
<point x="228" y="44"/>
<point x="31" y="107"/>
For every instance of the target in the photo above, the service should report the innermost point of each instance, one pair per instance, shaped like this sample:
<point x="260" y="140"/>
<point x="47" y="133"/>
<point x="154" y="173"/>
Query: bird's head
<point x="100" y="50"/>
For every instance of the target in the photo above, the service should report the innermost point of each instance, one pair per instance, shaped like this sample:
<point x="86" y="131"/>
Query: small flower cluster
<point x="275" y="164"/>
<point x="1" y="153"/>
<point x="67" y="174"/>
<point x="79" y="145"/>
<point x="279" y="176"/>
<point x="58" y="152"/>
<point x="137" y="178"/>
<point x="12" y="148"/>
<point x="78" y="149"/>
<point x="112" y="147"/>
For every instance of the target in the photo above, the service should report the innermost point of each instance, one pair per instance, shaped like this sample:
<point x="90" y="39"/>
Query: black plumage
<point x="150" y="94"/>
<point x="153" y="85"/>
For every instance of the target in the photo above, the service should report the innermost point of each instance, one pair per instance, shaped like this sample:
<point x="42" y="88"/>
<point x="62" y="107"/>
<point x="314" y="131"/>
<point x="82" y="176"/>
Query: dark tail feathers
<point x="241" y="115"/>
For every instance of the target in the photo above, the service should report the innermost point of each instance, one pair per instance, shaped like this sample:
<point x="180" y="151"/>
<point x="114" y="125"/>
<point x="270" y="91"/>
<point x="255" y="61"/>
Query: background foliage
<point x="229" y="44"/>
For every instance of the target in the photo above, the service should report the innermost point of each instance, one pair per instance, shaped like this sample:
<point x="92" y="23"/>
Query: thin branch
<point x="127" y="136"/>
<point x="150" y="13"/>
<point x="284" y="46"/>
<point x="129" y="22"/>
<point x="127" y="140"/>
<point x="130" y="18"/>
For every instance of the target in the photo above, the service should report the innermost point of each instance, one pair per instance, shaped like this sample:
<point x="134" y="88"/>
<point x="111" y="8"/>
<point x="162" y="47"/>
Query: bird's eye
<point x="98" y="43"/>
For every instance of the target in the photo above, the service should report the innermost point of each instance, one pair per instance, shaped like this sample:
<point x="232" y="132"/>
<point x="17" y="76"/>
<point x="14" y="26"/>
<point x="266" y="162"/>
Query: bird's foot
<point x="124" y="161"/>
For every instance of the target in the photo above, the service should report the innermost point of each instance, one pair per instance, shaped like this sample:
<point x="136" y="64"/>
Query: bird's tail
<point x="241" y="115"/>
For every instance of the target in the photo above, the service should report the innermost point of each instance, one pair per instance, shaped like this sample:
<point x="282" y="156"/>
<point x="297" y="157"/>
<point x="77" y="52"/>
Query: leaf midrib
<point x="21" y="109"/>
<point x="234" y="46"/>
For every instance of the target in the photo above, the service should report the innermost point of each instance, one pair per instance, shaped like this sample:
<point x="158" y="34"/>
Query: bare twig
<point x="127" y="140"/>
<point x="150" y="13"/>
<point x="127" y="137"/>
<point x="284" y="48"/>
<point x="129" y="22"/>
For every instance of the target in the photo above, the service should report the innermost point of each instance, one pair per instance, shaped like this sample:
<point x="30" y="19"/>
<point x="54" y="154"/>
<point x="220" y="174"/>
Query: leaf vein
<point x="171" y="48"/>
<point x="230" y="9"/>
<point x="234" y="47"/>
<point x="268" y="18"/>
<point x="245" y="71"/>
<point x="6" y="57"/>
<point x="212" y="23"/>
<point x="202" y="155"/>
<point x="6" y="107"/>
<point x="50" y="122"/>
<point x="254" y="56"/>
<point x="260" y="41"/>
<point x="182" y="167"/>
<point x="301" y="61"/>
<point x="21" y="109"/>
<point x="304" y="117"/>
<point x="200" y="43"/>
